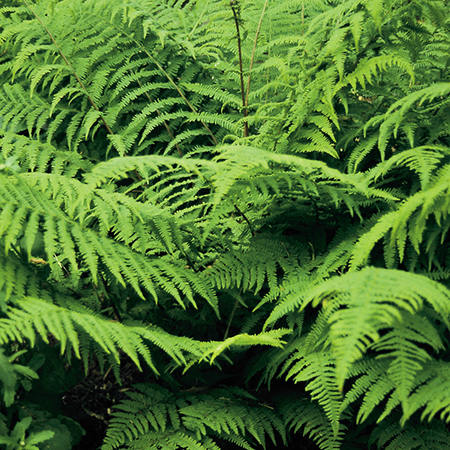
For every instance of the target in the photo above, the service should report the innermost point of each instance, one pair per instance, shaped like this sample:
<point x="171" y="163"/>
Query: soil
<point x="90" y="402"/>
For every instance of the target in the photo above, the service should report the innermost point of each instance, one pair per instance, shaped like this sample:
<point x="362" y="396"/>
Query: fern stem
<point x="245" y="218"/>
<point x="198" y="21"/>
<point x="188" y="103"/>
<point x="241" y="70"/>
<point x="110" y="301"/>
<point x="252" y="60"/>
<point x="230" y="320"/>
<point x="83" y="87"/>
<point x="166" y="125"/>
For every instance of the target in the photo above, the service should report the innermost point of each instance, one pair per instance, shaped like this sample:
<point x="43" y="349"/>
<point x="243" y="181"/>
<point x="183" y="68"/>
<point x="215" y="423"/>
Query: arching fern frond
<point x="372" y="306"/>
<point x="250" y="268"/>
<point x="155" y="413"/>
<point x="271" y="338"/>
<point x="396" y="116"/>
<point x="35" y="156"/>
<point x="30" y="317"/>
<point x="429" y="395"/>
<point x="78" y="329"/>
<point x="18" y="278"/>
<point x="417" y="436"/>
<point x="318" y="370"/>
<point x="62" y="211"/>
<point x="302" y="414"/>
<point x="409" y="221"/>
<point x="424" y="161"/>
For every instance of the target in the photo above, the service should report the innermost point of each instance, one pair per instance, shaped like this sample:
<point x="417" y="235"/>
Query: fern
<point x="75" y="326"/>
<point x="199" y="188"/>
<point x="161" y="418"/>
<point x="303" y="414"/>
<point x="416" y="210"/>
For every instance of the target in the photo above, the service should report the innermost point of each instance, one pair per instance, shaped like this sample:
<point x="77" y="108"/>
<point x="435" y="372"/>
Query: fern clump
<point x="240" y="209"/>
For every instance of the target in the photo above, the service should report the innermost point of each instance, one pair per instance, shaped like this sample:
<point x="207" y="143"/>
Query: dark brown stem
<point x="241" y="70"/>
<point x="245" y="218"/>
<point x="110" y="301"/>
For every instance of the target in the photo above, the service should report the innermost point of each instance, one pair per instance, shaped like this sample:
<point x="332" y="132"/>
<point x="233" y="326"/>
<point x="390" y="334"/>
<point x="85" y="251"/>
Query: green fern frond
<point x="77" y="328"/>
<point x="318" y="371"/>
<point x="377" y="309"/>
<point x="423" y="161"/>
<point x="30" y="317"/>
<point x="299" y="413"/>
<point x="369" y="309"/>
<point x="27" y="196"/>
<point x="429" y="395"/>
<point x="250" y="268"/>
<point x="35" y="156"/>
<point x="394" y="118"/>
<point x="19" y="279"/>
<point x="191" y="419"/>
<point x="153" y="408"/>
<point x="271" y="338"/>
<point x="432" y="201"/>
<point x="419" y="436"/>
<point x="404" y="345"/>
<point x="230" y="415"/>
<point x="370" y="67"/>
<point x="291" y="296"/>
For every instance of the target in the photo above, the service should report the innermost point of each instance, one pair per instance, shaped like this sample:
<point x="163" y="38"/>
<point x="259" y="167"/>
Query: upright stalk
<point x="241" y="70"/>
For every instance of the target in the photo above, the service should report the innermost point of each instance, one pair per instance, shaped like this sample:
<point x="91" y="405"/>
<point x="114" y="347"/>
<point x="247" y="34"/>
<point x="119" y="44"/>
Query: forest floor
<point x="90" y="402"/>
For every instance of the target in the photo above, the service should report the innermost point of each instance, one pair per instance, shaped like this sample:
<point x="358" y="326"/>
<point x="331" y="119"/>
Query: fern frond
<point x="424" y="161"/>
<point x="299" y="413"/>
<point x="77" y="328"/>
<point x="155" y="413"/>
<point x="403" y="344"/>
<point x="419" y="436"/>
<point x="318" y="370"/>
<point x="393" y="119"/>
<point x="415" y="211"/>
<point x="31" y="316"/>
<point x="271" y="338"/>
<point x="429" y="396"/>
<point x="35" y="156"/>
<point x="250" y="268"/>
<point x="70" y="233"/>
<point x="355" y="328"/>
<point x="19" y="279"/>
<point x="368" y="68"/>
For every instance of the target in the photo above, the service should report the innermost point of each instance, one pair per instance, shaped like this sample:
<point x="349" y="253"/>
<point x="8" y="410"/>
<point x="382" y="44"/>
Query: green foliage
<point x="249" y="201"/>
<point x="190" y="419"/>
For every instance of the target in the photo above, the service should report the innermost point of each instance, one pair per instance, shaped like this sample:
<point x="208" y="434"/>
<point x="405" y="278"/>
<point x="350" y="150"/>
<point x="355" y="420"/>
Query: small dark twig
<point x="110" y="301"/>
<point x="246" y="219"/>
<point x="241" y="70"/>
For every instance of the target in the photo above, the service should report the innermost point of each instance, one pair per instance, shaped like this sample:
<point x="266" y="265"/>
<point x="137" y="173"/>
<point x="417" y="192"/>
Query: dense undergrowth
<point x="234" y="214"/>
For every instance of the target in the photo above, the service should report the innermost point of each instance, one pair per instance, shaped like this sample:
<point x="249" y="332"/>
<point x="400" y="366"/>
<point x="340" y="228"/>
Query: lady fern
<point x="199" y="188"/>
